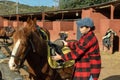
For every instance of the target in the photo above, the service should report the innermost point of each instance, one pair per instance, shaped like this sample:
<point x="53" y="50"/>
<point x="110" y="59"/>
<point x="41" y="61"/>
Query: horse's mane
<point x="22" y="31"/>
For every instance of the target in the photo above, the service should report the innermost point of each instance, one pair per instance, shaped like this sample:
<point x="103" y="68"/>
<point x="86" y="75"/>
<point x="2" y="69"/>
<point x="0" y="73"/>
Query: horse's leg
<point x="65" y="73"/>
<point x="56" y="75"/>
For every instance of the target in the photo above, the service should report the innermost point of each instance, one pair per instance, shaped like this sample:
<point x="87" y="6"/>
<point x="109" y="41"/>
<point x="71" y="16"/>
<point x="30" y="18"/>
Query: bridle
<point x="20" y="65"/>
<point x="22" y="60"/>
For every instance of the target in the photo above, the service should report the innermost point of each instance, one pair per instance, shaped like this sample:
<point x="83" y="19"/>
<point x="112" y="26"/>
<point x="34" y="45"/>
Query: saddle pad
<point x="54" y="64"/>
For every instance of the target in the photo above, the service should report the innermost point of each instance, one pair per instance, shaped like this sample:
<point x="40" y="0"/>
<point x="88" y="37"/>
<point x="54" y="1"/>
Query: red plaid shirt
<point x="87" y="56"/>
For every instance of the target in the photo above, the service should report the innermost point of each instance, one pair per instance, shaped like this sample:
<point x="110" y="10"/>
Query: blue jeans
<point x="91" y="78"/>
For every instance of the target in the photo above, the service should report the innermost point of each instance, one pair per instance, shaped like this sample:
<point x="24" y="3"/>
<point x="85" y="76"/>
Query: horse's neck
<point x="39" y="44"/>
<point x="38" y="60"/>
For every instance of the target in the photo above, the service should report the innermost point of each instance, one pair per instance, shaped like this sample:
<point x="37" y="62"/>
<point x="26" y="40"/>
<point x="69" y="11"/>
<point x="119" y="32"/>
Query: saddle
<point x="59" y="64"/>
<point x="58" y="46"/>
<point x="41" y="32"/>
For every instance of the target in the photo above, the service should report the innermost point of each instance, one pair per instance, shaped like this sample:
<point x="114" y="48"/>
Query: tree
<point x="68" y="4"/>
<point x="56" y="4"/>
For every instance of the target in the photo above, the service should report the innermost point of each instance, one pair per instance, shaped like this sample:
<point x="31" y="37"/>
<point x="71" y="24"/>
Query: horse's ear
<point x="28" y="19"/>
<point x="31" y="23"/>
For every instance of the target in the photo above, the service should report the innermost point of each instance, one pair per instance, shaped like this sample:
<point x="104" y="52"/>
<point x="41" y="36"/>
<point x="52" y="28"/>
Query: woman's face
<point x="84" y="29"/>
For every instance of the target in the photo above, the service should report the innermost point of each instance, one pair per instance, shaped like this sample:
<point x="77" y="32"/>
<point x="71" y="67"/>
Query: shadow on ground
<point x="115" y="77"/>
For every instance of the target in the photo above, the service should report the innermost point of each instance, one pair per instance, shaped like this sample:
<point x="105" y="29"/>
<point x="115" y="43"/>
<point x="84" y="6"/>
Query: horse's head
<point x="26" y="41"/>
<point x="21" y="42"/>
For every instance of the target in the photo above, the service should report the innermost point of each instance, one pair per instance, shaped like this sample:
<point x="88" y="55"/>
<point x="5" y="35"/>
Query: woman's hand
<point x="56" y="57"/>
<point x="64" y="42"/>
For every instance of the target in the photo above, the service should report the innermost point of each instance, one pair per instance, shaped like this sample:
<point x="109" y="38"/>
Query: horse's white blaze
<point x="14" y="51"/>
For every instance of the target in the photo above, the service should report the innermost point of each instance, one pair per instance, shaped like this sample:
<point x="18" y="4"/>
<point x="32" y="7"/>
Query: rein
<point x="32" y="45"/>
<point x="26" y="52"/>
<point x="23" y="59"/>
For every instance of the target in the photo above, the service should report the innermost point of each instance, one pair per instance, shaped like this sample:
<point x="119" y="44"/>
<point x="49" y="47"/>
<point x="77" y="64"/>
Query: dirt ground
<point x="110" y="66"/>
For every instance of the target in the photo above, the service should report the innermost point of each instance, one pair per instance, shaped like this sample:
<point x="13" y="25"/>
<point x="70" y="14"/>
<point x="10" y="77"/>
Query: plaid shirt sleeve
<point x="78" y="48"/>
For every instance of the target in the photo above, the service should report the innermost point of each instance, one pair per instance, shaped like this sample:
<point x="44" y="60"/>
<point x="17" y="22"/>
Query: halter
<point x="21" y="59"/>
<point x="26" y="52"/>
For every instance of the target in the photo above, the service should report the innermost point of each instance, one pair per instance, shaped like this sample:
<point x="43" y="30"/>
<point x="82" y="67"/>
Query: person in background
<point x="85" y="52"/>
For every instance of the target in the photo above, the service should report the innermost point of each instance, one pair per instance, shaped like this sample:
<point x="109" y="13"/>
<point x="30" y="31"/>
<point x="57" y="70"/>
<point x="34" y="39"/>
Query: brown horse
<point x="30" y="46"/>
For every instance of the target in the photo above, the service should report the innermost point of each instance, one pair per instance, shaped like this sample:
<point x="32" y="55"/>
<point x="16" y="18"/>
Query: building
<point x="104" y="15"/>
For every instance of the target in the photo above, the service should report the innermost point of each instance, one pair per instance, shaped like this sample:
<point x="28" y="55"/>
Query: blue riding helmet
<point x="79" y="23"/>
<point x="85" y="22"/>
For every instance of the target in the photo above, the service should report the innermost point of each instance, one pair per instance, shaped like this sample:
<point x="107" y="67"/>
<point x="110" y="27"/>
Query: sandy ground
<point x="110" y="67"/>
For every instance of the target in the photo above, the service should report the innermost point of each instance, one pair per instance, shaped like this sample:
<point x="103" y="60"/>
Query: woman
<point x="85" y="52"/>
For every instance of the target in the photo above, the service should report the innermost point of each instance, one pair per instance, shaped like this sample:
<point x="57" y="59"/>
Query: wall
<point x="56" y="27"/>
<point x="102" y="23"/>
<point x="1" y="22"/>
